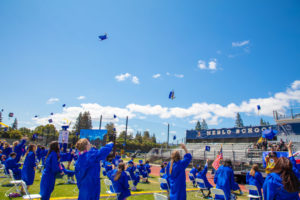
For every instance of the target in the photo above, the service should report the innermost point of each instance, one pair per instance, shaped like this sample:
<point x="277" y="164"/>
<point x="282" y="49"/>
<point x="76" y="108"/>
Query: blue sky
<point x="214" y="54"/>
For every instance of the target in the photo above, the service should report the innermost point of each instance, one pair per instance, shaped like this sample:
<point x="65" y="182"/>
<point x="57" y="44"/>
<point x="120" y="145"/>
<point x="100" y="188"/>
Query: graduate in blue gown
<point x="293" y="161"/>
<point x="194" y="172"/>
<point x="69" y="173"/>
<point x="148" y="167"/>
<point x="6" y="149"/>
<point x="163" y="169"/>
<point x="254" y="177"/>
<point x="28" y="170"/>
<point x="50" y="170"/>
<point x="119" y="180"/>
<point x="44" y="153"/>
<point x="116" y="160"/>
<point x="133" y="175"/>
<point x="87" y="169"/>
<point x="202" y="175"/>
<point x="38" y="153"/>
<point x="107" y="165"/>
<point x="176" y="174"/>
<point x="281" y="183"/>
<point x="224" y="179"/>
<point x="18" y="148"/>
<point x="142" y="171"/>
<point x="11" y="164"/>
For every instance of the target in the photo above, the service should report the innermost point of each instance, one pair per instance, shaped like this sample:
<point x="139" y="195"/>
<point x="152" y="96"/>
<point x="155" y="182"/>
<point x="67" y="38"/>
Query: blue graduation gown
<point x="224" y="179"/>
<point x="115" y="161"/>
<point x="38" y="154"/>
<point x="256" y="180"/>
<point x="108" y="167"/>
<point x="134" y="176"/>
<point x="202" y="175"/>
<point x="48" y="176"/>
<point x="194" y="172"/>
<point x="148" y="168"/>
<point x="43" y="155"/>
<point x="69" y="173"/>
<point x="177" y="178"/>
<point x="295" y="167"/>
<point x="273" y="189"/>
<point x="12" y="164"/>
<point x="19" y="150"/>
<point x="121" y="185"/>
<point x="142" y="170"/>
<point x="164" y="186"/>
<point x="28" y="172"/>
<point x="7" y="151"/>
<point x="87" y="172"/>
<point x="162" y="171"/>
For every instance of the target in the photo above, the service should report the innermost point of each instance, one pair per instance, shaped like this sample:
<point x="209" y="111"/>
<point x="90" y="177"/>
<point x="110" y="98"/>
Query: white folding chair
<point x="4" y="176"/>
<point x="216" y="191"/>
<point x="16" y="183"/>
<point x="254" y="188"/>
<point x="162" y="180"/>
<point x="199" y="182"/>
<point x="109" y="184"/>
<point x="160" y="197"/>
<point x="27" y="194"/>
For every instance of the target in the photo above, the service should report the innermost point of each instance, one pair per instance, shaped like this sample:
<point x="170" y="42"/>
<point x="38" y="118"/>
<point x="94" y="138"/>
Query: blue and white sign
<point x="92" y="134"/>
<point x="245" y="132"/>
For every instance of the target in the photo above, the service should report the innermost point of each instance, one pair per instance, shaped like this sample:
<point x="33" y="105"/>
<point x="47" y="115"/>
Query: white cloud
<point x="135" y="80"/>
<point x="241" y="43"/>
<point x="296" y="85"/>
<point x="212" y="65"/>
<point x="122" y="77"/>
<point x="81" y="97"/>
<point x="179" y="75"/>
<point x="168" y="74"/>
<point x="52" y="100"/>
<point x="212" y="113"/>
<point x="156" y="76"/>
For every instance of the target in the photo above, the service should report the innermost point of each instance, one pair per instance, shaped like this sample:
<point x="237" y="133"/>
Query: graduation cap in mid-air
<point x="50" y="121"/>
<point x="174" y="137"/>
<point x="172" y="95"/>
<point x="102" y="37"/>
<point x="207" y="148"/>
<point x="115" y="116"/>
<point x="2" y="110"/>
<point x="51" y="113"/>
<point x="11" y="114"/>
<point x="64" y="105"/>
<point x="258" y="107"/>
<point x="35" y="116"/>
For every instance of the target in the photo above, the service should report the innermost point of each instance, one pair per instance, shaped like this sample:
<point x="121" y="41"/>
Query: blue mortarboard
<point x="141" y="161"/>
<point x="35" y="116"/>
<point x="5" y="129"/>
<point x="130" y="162"/>
<point x="174" y="137"/>
<point x="64" y="105"/>
<point x="11" y="114"/>
<point x="258" y="107"/>
<point x="115" y="116"/>
<point x="50" y="120"/>
<point x="114" y="129"/>
<point x="103" y="37"/>
<point x="77" y="134"/>
<point x="51" y="113"/>
<point x="207" y="148"/>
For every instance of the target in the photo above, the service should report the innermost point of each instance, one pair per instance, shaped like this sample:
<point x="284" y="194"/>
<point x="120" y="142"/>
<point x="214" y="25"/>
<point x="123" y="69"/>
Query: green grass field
<point x="65" y="190"/>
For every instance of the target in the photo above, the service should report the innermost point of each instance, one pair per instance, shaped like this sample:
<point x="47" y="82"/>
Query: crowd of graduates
<point x="282" y="181"/>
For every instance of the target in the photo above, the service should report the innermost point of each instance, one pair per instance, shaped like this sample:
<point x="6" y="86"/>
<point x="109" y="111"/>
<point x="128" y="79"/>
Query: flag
<point x="219" y="157"/>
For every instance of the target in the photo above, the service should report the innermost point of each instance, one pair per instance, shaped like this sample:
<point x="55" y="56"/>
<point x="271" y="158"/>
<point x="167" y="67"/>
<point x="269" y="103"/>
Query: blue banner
<point x="91" y="134"/>
<point x="245" y="132"/>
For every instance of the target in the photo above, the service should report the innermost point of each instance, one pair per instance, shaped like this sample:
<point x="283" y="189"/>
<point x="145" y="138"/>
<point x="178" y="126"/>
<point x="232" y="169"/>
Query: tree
<point x="15" y="124"/>
<point x="198" y="126"/>
<point x="204" y="125"/>
<point x="122" y="135"/>
<point x="263" y="122"/>
<point x="153" y="139"/>
<point x="25" y="131"/>
<point x="146" y="136"/>
<point x="110" y="127"/>
<point x="83" y="121"/>
<point x="239" y="121"/>
<point x="138" y="137"/>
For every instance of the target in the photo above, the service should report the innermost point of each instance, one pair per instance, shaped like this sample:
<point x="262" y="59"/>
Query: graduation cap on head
<point x="140" y="161"/>
<point x="103" y="37"/>
<point x="50" y="121"/>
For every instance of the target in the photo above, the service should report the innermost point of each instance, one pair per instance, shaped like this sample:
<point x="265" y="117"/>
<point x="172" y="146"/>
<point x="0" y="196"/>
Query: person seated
<point x="254" y="177"/>
<point x="69" y="173"/>
<point x="282" y="182"/>
<point x="224" y="179"/>
<point x="194" y="172"/>
<point x="142" y="171"/>
<point x="202" y="175"/>
<point x="163" y="168"/>
<point x="119" y="181"/>
<point x="148" y="167"/>
<point x="107" y="165"/>
<point x="11" y="164"/>
<point x="134" y="176"/>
